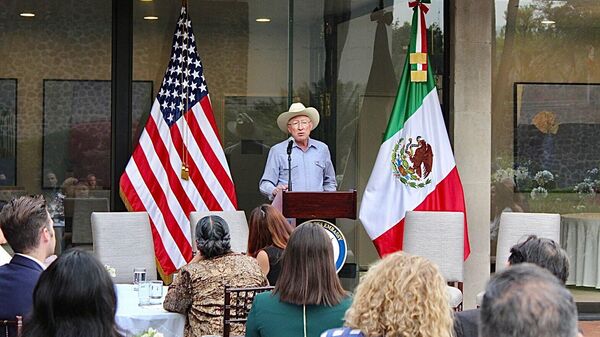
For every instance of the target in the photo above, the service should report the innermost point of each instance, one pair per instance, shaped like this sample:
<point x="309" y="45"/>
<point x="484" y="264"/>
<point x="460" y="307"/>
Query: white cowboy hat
<point x="298" y="109"/>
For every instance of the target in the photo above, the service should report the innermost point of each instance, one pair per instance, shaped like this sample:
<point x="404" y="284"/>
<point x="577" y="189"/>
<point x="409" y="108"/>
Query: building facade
<point x="517" y="81"/>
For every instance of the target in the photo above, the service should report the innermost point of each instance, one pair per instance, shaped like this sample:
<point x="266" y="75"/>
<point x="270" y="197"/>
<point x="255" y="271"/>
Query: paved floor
<point x="590" y="328"/>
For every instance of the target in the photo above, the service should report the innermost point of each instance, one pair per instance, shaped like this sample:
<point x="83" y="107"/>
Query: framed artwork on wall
<point x="8" y="131"/>
<point x="556" y="128"/>
<point x="77" y="128"/>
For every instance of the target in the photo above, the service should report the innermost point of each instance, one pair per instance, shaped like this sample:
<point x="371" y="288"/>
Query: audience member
<point x="51" y="180"/>
<point x="527" y="301"/>
<point x="75" y="296"/>
<point x="269" y="234"/>
<point x="543" y="252"/>
<point x="198" y="290"/>
<point x="308" y="296"/>
<point x="92" y="182"/>
<point x="540" y="251"/>
<point x="81" y="190"/>
<point x="68" y="187"/>
<point x="28" y="230"/>
<point x="401" y="295"/>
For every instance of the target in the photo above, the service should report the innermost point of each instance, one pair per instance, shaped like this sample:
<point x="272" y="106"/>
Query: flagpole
<point x="185" y="168"/>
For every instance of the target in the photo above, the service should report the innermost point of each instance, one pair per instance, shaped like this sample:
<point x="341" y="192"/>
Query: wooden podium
<point x="319" y="205"/>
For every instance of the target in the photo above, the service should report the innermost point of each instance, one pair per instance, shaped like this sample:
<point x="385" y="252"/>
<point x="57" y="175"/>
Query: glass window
<point x="545" y="120"/>
<point x="55" y="84"/>
<point x="342" y="57"/>
<point x="347" y="58"/>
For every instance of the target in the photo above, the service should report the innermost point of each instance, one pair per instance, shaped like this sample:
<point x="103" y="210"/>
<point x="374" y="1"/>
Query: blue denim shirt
<point x="312" y="170"/>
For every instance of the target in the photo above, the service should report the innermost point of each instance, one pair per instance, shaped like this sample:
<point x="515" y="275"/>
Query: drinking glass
<point x="144" y="293"/>
<point x="156" y="291"/>
<point x="139" y="275"/>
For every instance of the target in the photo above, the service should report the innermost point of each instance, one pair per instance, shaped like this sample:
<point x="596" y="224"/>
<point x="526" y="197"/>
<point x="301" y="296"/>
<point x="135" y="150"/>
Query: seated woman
<point x="269" y="234"/>
<point x="198" y="290"/>
<point x="401" y="295"/>
<point x="308" y="297"/>
<point x="75" y="296"/>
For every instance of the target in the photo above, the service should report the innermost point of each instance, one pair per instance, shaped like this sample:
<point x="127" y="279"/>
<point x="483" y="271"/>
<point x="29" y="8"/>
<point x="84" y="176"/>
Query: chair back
<point x="123" y="240"/>
<point x="238" y="228"/>
<point x="439" y="237"/>
<point x="99" y="194"/>
<point x="82" y="210"/>
<point x="238" y="302"/>
<point x="516" y="227"/>
<point x="15" y="325"/>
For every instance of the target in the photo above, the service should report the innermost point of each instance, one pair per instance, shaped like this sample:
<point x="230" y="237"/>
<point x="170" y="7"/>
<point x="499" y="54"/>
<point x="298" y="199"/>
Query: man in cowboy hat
<point x="312" y="169"/>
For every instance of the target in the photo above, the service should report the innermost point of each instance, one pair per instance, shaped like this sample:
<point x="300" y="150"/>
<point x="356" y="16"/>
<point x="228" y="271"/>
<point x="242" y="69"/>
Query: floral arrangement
<point x="544" y="179"/>
<point x="151" y="332"/>
<point x="590" y="184"/>
<point x="111" y="271"/>
<point x="519" y="176"/>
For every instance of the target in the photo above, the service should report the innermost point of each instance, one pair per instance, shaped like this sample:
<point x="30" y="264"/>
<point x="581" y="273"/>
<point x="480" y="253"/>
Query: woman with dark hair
<point x="308" y="296"/>
<point x="269" y="234"/>
<point x="75" y="296"/>
<point x="198" y="290"/>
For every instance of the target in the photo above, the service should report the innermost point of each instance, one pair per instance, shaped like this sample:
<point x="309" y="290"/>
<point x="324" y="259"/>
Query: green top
<point x="269" y="317"/>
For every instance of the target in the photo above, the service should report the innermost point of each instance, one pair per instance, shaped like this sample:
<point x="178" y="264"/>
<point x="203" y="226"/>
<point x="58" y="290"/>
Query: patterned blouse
<point x="198" y="291"/>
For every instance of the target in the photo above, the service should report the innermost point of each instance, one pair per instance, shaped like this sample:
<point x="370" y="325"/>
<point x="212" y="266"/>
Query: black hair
<point x="74" y="297"/>
<point x="543" y="252"/>
<point x="212" y="236"/>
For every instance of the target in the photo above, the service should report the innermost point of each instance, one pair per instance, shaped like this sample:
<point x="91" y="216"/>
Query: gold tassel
<point x="185" y="172"/>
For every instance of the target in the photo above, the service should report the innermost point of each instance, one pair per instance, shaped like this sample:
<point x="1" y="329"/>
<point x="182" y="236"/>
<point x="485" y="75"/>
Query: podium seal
<point x="338" y="242"/>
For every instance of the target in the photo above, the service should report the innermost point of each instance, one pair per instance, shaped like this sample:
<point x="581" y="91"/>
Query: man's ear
<point x="46" y="234"/>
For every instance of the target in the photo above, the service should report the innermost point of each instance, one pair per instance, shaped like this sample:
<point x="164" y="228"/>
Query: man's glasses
<point x="297" y="124"/>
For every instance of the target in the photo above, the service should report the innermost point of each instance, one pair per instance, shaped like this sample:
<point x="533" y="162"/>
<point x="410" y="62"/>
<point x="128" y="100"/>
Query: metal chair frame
<point x="238" y="302"/>
<point x="17" y="323"/>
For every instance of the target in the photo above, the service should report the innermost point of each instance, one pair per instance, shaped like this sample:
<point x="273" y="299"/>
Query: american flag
<point x="178" y="165"/>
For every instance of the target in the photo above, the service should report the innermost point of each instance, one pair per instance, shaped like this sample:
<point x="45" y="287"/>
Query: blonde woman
<point x="400" y="296"/>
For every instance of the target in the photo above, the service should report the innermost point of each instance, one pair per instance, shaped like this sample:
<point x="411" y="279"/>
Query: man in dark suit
<point x="540" y="251"/>
<point x="27" y="227"/>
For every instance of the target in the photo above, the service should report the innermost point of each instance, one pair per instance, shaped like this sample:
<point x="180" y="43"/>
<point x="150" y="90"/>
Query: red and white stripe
<point x="152" y="181"/>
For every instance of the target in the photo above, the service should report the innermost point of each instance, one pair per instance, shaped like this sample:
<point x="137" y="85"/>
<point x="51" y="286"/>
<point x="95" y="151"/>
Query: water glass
<point x="144" y="293"/>
<point x="139" y="275"/>
<point x="156" y="290"/>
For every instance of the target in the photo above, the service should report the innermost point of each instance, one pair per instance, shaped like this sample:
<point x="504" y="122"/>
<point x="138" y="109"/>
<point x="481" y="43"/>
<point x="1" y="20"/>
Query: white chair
<point x="516" y="227"/>
<point x="439" y="237"/>
<point x="238" y="228"/>
<point x="82" y="227"/>
<point x="123" y="240"/>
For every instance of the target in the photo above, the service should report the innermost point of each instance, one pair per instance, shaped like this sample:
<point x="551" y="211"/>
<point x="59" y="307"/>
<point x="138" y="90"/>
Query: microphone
<point x="289" y="153"/>
<point x="289" y="148"/>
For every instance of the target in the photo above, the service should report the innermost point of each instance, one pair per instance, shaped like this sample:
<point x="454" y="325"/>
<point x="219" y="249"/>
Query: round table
<point x="133" y="319"/>
<point x="580" y="237"/>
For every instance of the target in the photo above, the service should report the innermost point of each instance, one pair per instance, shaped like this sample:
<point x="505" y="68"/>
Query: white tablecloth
<point x="580" y="237"/>
<point x="133" y="319"/>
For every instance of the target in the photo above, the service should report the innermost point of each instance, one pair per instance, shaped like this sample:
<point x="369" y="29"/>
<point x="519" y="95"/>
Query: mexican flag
<point x="415" y="168"/>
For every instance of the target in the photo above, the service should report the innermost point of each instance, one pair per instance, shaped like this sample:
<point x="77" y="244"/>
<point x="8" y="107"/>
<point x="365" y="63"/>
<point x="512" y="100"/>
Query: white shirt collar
<point x="33" y="259"/>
